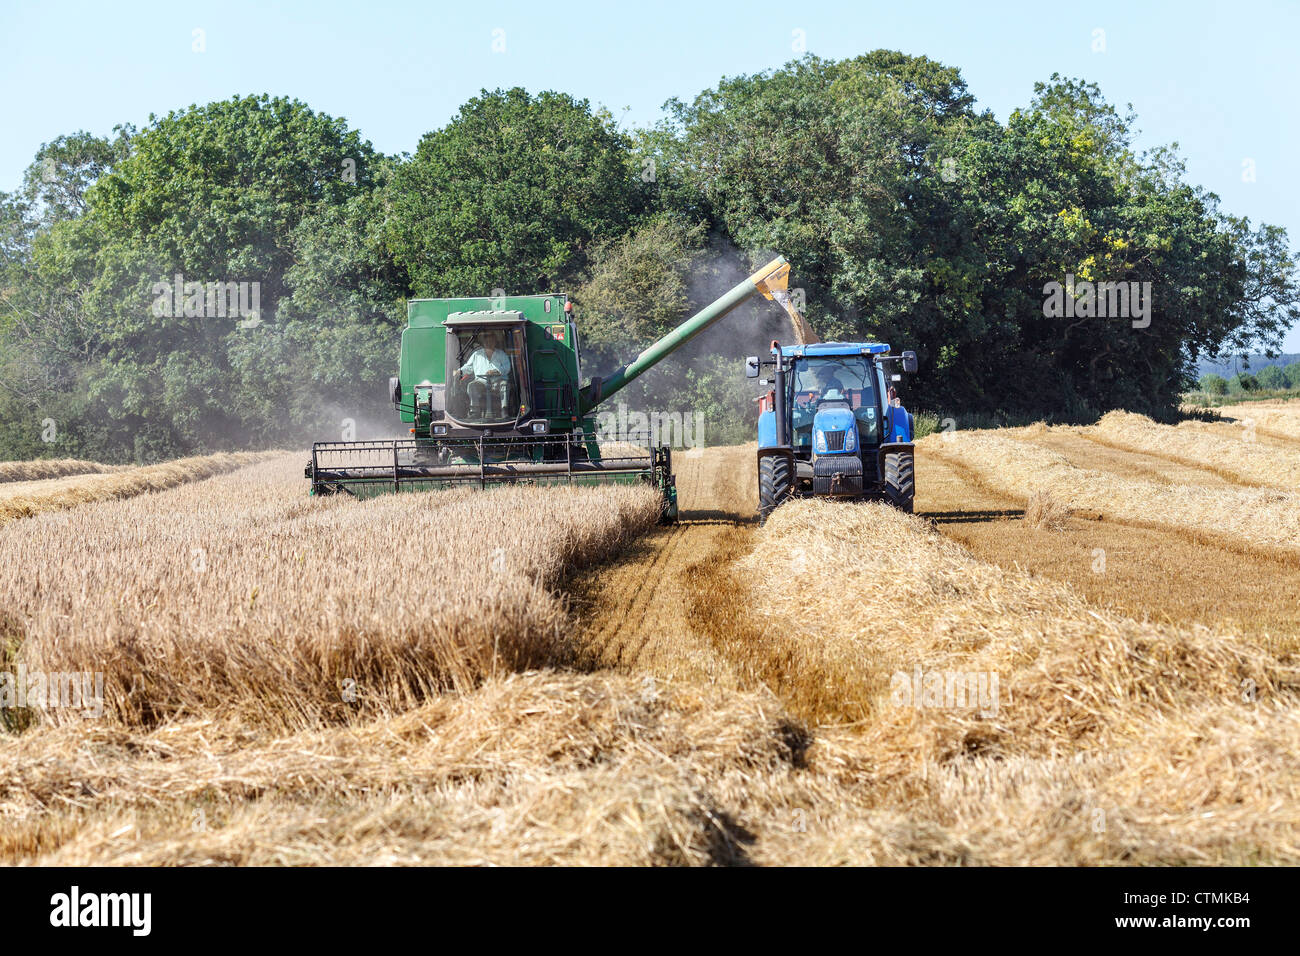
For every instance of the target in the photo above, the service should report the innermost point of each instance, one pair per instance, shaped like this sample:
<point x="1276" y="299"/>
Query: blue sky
<point x="1218" y="78"/>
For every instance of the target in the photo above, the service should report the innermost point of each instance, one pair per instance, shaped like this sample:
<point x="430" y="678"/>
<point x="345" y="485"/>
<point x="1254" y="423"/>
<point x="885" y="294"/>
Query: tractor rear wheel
<point x="900" y="480"/>
<point x="774" y="484"/>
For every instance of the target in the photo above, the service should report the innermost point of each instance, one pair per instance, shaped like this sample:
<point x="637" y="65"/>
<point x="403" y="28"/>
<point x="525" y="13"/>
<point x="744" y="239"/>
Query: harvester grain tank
<point x="490" y="390"/>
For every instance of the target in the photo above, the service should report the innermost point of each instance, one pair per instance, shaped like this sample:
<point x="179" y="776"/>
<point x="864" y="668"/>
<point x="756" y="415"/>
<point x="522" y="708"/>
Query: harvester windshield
<point x="485" y="366"/>
<point x="850" y="379"/>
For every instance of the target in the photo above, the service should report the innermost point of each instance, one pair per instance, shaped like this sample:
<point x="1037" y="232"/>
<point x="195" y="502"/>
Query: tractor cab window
<point x="835" y="379"/>
<point x="484" y="369"/>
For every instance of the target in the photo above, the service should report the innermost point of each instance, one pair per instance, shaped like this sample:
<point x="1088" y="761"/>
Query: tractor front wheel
<point x="774" y="484"/>
<point x="900" y="480"/>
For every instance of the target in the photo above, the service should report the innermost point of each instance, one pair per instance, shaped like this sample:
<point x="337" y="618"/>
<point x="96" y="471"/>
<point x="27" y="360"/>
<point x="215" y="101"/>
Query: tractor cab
<point x="487" y="361"/>
<point x="835" y="403"/>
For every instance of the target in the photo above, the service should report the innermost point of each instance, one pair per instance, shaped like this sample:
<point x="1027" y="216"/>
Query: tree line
<point x="908" y="214"/>
<point x="1270" y="378"/>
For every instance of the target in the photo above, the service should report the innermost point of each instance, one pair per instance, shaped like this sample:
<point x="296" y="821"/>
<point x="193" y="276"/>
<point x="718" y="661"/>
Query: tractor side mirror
<point x="395" y="390"/>
<point x="751" y="367"/>
<point x="909" y="361"/>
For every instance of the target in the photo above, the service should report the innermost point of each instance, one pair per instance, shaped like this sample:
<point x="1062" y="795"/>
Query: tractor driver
<point x="814" y="385"/>
<point x="828" y="383"/>
<point x="488" y="369"/>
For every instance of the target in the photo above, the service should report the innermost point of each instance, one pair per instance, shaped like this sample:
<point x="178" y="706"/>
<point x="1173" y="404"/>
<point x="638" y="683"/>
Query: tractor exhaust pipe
<point x="782" y="422"/>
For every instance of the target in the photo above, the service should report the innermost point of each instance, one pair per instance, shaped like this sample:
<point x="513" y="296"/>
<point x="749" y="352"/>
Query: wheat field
<point x="43" y="468"/>
<point x="542" y="676"/>
<point x="242" y="595"/>
<point x="58" y="488"/>
<point x="1182" y="739"/>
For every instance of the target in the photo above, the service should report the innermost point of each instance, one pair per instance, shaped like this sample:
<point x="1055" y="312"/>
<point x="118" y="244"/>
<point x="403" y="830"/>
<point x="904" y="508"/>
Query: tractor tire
<point x="774" y="484"/>
<point x="900" y="480"/>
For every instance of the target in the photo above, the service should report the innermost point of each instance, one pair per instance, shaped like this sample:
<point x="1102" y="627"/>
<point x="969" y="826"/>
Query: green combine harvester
<point x="491" y="390"/>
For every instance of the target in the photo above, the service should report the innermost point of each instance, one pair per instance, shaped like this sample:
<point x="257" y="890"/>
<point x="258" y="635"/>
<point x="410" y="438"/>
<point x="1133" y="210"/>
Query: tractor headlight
<point x="851" y="439"/>
<point x="819" y="442"/>
<point x="440" y="429"/>
<point x="539" y="428"/>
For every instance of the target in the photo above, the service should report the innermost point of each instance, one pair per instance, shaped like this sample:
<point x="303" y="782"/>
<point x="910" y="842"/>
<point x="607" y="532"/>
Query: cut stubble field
<point x="1133" y="539"/>
<point x="602" y="690"/>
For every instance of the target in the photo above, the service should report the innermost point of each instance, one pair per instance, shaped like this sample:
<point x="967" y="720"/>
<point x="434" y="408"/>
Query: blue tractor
<point x="831" y="424"/>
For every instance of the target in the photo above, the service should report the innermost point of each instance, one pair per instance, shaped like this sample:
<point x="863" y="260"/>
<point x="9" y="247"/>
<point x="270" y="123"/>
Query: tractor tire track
<point x="636" y="615"/>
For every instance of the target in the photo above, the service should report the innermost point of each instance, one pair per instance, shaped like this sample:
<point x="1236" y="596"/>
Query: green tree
<point x="1271" y="376"/>
<point x="1214" y="384"/>
<point x="637" y="287"/>
<point x="512" y="194"/>
<point x="850" y="170"/>
<point x="334" y="344"/>
<point x="215" y="194"/>
<point x="46" y="334"/>
<point x="837" y="165"/>
<point x="645" y="283"/>
<point x="63" y="171"/>
<point x="1082" y="105"/>
<point x="912" y="219"/>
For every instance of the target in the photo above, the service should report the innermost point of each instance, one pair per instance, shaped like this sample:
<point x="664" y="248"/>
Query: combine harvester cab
<point x="490" y="391"/>
<point x="831" y="424"/>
